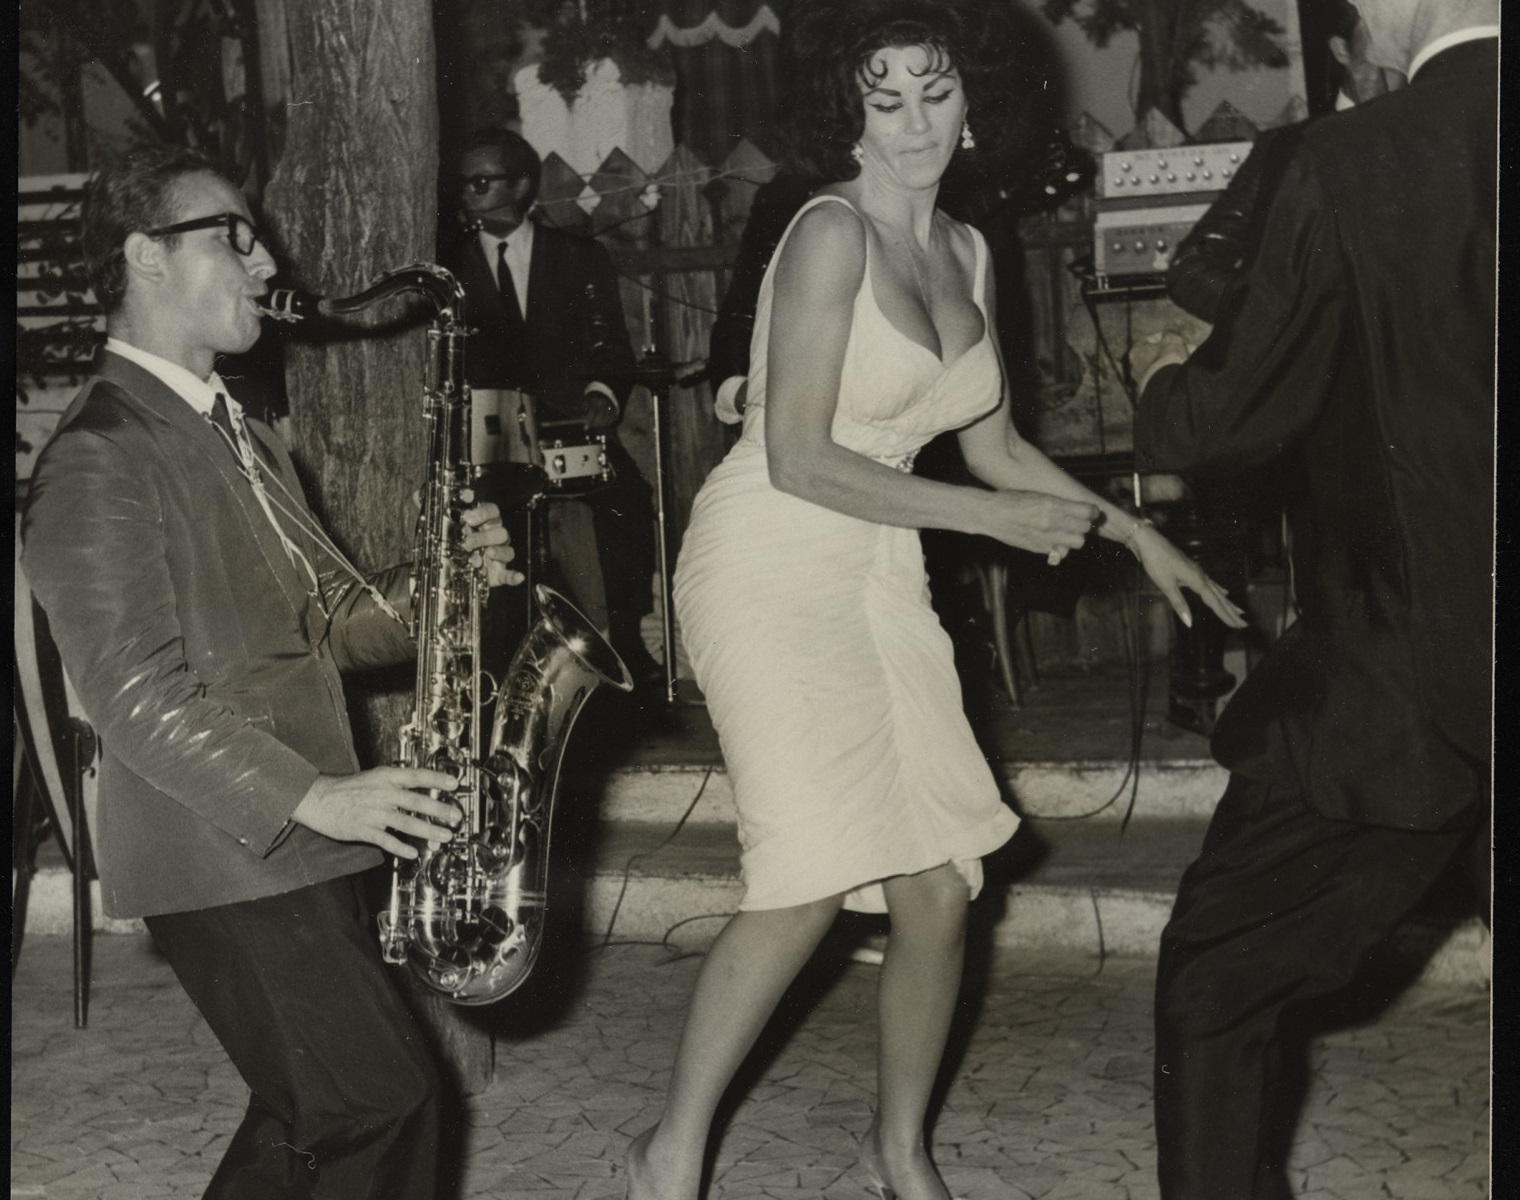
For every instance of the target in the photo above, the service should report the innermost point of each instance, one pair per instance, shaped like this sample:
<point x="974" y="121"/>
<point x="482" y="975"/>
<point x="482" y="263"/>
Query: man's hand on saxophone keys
<point x="487" y="537"/>
<point x="376" y="805"/>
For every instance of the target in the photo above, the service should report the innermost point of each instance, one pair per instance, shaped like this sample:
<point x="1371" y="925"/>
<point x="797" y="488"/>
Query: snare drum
<point x="578" y="466"/>
<point x="501" y="426"/>
<point x="505" y="428"/>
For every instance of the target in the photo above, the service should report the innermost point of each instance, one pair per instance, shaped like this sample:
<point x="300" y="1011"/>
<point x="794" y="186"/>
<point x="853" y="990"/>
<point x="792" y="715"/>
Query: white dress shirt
<point x="1471" y="34"/>
<point x="199" y="394"/>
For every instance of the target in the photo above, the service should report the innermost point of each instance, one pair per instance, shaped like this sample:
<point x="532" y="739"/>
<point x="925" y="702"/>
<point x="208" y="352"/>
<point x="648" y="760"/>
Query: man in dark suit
<point x="549" y="323"/>
<point x="1363" y="337"/>
<point x="203" y="617"/>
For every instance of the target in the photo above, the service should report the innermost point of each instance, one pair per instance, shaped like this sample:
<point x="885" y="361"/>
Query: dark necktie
<point x="512" y="347"/>
<point x="241" y="445"/>
<point x="508" y="288"/>
<point x="234" y="433"/>
<point x="222" y="419"/>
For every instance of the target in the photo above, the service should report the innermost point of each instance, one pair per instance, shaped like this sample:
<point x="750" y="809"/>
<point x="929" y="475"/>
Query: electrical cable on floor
<point x="1137" y="675"/>
<point x="1092" y="894"/>
<point x="1140" y="680"/>
<point x="1137" y="670"/>
<point x="677" y="954"/>
<point x="633" y="858"/>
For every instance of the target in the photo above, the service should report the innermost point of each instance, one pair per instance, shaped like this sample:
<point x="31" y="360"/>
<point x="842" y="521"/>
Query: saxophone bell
<point x="467" y="917"/>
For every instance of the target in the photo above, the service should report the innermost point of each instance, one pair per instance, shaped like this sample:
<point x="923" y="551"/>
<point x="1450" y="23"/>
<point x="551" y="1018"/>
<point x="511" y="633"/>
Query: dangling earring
<point x="857" y="153"/>
<point x="967" y="141"/>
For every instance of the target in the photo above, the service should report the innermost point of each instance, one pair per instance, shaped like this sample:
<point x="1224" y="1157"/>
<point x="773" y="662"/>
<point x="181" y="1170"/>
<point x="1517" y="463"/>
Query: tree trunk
<point x="354" y="195"/>
<point x="1157" y="27"/>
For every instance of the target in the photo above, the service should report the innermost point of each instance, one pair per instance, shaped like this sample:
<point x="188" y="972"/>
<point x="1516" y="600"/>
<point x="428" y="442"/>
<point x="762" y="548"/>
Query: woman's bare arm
<point x="818" y="276"/>
<point x="998" y="456"/>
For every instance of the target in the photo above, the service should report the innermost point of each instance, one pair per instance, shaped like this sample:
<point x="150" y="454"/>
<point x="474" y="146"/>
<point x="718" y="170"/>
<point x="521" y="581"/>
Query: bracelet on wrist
<point x="1134" y="532"/>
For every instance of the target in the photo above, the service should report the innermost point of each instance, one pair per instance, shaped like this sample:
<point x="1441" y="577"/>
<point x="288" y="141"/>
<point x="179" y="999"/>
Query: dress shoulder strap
<point x="812" y="202"/>
<point x="979" y="280"/>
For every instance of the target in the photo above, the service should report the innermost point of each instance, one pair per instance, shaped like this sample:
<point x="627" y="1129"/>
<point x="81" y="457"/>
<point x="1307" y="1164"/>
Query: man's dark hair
<point x="830" y="49"/>
<point x="1341" y="19"/>
<point x="134" y="193"/>
<point x="517" y="156"/>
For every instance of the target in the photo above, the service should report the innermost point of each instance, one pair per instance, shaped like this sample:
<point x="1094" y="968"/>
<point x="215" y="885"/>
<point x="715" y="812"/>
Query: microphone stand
<point x="660" y="376"/>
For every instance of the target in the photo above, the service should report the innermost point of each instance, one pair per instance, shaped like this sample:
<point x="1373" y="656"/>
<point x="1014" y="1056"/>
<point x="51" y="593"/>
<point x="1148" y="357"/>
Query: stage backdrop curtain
<point x="725" y="56"/>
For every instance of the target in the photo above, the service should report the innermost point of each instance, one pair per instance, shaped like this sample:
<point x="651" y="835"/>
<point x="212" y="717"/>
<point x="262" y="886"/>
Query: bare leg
<point x="920" y="980"/>
<point x="750" y="965"/>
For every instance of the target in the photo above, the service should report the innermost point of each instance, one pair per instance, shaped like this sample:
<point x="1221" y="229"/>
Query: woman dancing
<point x="801" y="589"/>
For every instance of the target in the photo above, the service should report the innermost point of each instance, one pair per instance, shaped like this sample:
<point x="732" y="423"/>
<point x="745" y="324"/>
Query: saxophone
<point x="467" y="916"/>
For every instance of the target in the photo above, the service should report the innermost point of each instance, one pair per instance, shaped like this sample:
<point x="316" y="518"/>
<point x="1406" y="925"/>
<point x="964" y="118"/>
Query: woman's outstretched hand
<point x="1171" y="570"/>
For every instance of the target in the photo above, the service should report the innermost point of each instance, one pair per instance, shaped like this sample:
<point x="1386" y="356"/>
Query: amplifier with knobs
<point x="1148" y="199"/>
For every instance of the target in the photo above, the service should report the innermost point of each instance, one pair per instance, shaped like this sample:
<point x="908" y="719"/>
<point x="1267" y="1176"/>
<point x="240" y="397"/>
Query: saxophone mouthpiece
<point x="288" y="304"/>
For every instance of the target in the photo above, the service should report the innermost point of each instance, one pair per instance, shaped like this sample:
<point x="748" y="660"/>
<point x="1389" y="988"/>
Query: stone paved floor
<point x="1049" y="1096"/>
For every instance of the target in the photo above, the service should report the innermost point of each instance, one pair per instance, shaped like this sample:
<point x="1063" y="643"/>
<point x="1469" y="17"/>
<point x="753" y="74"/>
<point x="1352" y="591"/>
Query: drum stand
<point x="656" y="374"/>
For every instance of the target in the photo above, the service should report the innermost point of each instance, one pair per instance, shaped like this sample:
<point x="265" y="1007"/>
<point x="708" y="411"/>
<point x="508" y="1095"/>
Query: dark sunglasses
<point x="481" y="184"/>
<point x="241" y="232"/>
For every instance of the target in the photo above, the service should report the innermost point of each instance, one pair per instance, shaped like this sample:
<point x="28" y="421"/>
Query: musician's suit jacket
<point x="207" y="670"/>
<point x="572" y="338"/>
<point x="1364" y="335"/>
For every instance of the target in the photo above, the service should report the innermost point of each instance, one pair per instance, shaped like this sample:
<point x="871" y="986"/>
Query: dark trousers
<point x="1282" y="906"/>
<point x="622" y="519"/>
<point x="345" y="1092"/>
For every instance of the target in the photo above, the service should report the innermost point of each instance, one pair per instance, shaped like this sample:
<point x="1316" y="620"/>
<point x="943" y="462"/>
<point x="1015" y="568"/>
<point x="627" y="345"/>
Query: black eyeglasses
<point x="241" y="232"/>
<point x="481" y="184"/>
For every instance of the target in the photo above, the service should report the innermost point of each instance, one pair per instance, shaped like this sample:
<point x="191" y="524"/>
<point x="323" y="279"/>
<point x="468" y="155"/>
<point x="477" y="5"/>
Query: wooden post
<point x="355" y="195"/>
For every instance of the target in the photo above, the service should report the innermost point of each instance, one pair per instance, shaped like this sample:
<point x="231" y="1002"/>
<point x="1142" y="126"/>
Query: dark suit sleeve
<point x="361" y="634"/>
<point x="1218" y="249"/>
<point x="776" y="203"/>
<point x="1266" y="371"/>
<point x="96" y="557"/>
<point x="612" y="355"/>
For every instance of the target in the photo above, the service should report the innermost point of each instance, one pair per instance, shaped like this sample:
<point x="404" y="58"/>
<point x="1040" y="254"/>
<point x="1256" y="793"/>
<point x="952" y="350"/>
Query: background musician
<point x="203" y="617"/>
<point x="545" y="307"/>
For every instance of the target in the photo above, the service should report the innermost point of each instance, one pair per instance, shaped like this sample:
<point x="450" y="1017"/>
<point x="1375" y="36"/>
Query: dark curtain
<point x="724" y="92"/>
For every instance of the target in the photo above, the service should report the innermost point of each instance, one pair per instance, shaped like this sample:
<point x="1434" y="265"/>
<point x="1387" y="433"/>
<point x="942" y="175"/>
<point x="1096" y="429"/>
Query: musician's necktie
<point x="512" y="347"/>
<point x="235" y="432"/>
<point x="508" y="287"/>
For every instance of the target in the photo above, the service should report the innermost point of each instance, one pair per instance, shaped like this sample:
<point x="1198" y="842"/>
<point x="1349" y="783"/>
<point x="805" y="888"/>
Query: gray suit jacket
<point x="209" y="672"/>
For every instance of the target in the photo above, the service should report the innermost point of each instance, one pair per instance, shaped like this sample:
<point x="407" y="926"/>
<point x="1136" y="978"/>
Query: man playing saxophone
<point x="203" y="617"/>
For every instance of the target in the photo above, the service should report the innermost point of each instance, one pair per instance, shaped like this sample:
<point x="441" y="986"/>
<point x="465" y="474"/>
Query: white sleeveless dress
<point x="828" y="676"/>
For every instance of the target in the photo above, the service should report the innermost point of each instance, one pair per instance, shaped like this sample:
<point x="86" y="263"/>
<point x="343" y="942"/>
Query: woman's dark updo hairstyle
<point x="829" y="48"/>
